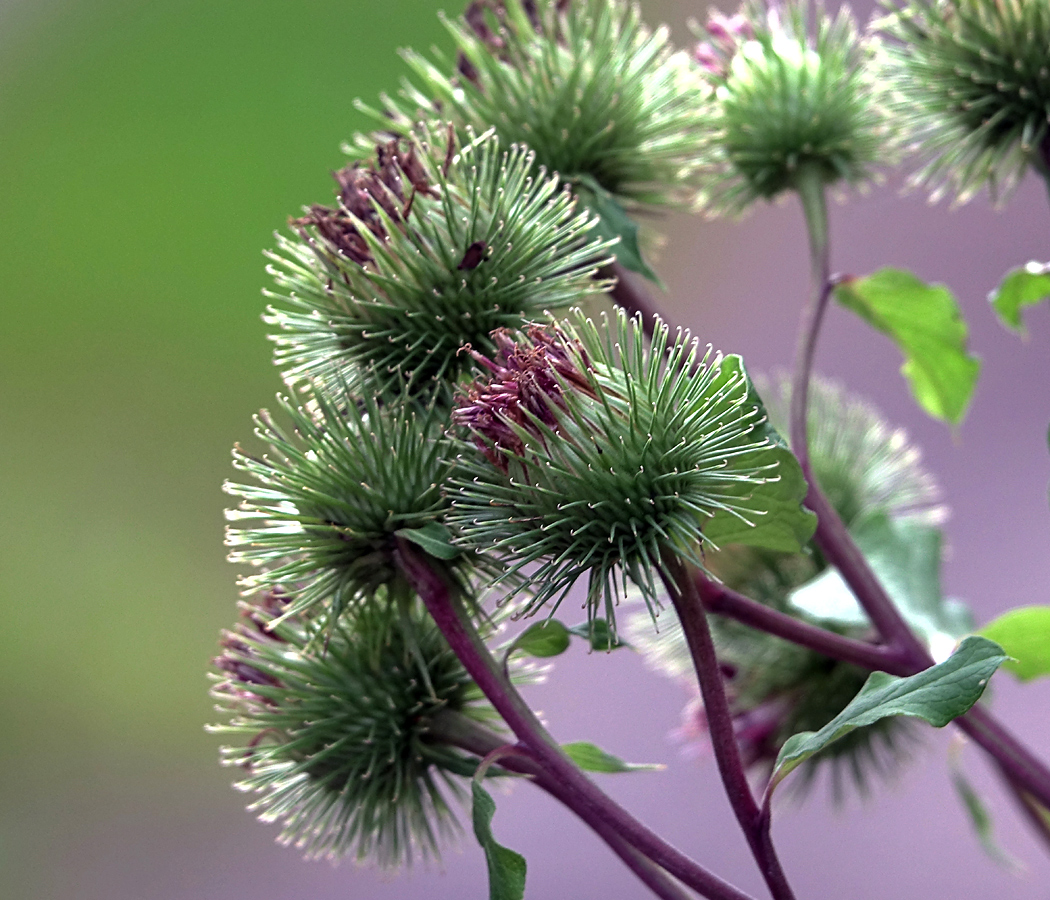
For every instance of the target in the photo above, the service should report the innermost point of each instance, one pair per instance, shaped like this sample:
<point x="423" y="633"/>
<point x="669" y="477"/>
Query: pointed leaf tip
<point x="506" y="868"/>
<point x="1021" y="287"/>
<point x="925" y="323"/>
<point x="936" y="695"/>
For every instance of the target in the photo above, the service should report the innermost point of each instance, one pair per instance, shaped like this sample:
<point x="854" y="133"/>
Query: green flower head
<point x="431" y="246"/>
<point x="599" y="97"/>
<point x="596" y="454"/>
<point x="322" y="519"/>
<point x="972" y="79"/>
<point x="787" y="102"/>
<point x="339" y="743"/>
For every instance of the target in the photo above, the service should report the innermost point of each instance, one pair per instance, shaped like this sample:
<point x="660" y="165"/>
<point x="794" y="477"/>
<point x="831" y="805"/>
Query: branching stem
<point x="454" y="729"/>
<point x="454" y="622"/>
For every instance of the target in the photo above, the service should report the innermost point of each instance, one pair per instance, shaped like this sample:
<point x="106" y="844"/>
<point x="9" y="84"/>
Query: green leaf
<point x="613" y="222"/>
<point x="435" y="538"/>
<point x="1025" y="635"/>
<point x="593" y="759"/>
<point x="927" y="327"/>
<point x="782" y="523"/>
<point x="906" y="557"/>
<point x="937" y="695"/>
<point x="506" y="868"/>
<point x="981" y="821"/>
<point x="548" y="638"/>
<point x="1025" y="286"/>
<point x="599" y="634"/>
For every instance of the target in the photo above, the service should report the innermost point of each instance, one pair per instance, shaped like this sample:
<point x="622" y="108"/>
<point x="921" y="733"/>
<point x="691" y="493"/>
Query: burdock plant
<point x="457" y="451"/>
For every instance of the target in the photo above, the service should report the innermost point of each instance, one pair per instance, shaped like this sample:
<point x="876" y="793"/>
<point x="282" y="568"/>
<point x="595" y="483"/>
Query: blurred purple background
<point x="129" y="370"/>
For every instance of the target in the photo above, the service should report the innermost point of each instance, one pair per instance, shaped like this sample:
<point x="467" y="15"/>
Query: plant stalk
<point x="753" y="822"/>
<point x="723" y="601"/>
<point x="454" y="622"/>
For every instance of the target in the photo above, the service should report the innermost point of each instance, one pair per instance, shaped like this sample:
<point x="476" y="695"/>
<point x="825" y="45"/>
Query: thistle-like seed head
<point x="322" y="518"/>
<point x="432" y="245"/>
<point x="972" y="85"/>
<point x="337" y="741"/>
<point x="586" y="85"/>
<point x="600" y="455"/>
<point x="788" y="100"/>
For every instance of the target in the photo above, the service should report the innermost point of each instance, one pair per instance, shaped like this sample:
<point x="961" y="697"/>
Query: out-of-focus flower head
<point x="340" y="743"/>
<point x="796" y="93"/>
<point x="599" y="97"/>
<point x="972" y="85"/>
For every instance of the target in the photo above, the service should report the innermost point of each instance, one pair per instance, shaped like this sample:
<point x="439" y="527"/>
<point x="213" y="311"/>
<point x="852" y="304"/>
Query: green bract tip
<point x="972" y="79"/>
<point x="786" y="101"/>
<point x="338" y="742"/>
<point x="592" y="90"/>
<point x="431" y="247"/>
<point x="322" y="520"/>
<point x="600" y="454"/>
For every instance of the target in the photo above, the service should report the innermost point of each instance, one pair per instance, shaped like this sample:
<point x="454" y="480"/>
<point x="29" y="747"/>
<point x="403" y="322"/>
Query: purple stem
<point x="455" y="729"/>
<point x="753" y="822"/>
<point x="723" y="601"/>
<point x="626" y="294"/>
<point x="834" y="540"/>
<point x="452" y="619"/>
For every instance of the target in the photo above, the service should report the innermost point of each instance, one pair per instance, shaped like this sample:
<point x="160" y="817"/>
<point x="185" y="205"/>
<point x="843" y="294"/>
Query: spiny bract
<point x="431" y="247"/>
<point x="600" y="454"/>
<point x="596" y="94"/>
<point x="322" y="520"/>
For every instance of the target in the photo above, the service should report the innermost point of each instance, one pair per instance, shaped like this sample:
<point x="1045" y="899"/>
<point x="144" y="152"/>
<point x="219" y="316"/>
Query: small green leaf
<point x="906" y="558"/>
<point x="937" y="695"/>
<point x="782" y="523"/>
<point x="506" y="868"/>
<point x="1025" y="286"/>
<point x="1025" y="635"/>
<point x="548" y="638"/>
<point x="927" y="327"/>
<point x="981" y="821"/>
<point x="593" y="759"/>
<point x="613" y="222"/>
<point x="599" y="634"/>
<point x="434" y="537"/>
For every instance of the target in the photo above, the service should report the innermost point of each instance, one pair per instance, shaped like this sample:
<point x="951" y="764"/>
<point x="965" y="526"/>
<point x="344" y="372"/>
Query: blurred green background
<point x="147" y="153"/>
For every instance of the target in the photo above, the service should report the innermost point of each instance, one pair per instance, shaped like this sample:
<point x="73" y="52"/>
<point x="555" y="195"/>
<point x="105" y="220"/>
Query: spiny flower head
<point x="323" y="517"/>
<point x="429" y="248"/>
<point x="338" y="741"/>
<point x="776" y="688"/>
<point x="600" y="455"/>
<point x="593" y="91"/>
<point x="786" y="102"/>
<point x="972" y="78"/>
